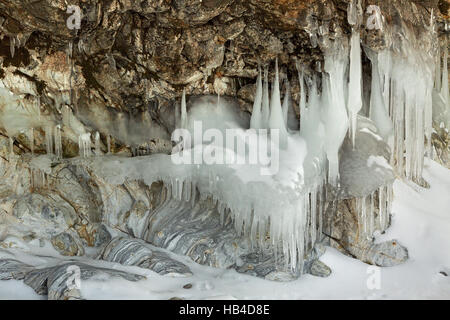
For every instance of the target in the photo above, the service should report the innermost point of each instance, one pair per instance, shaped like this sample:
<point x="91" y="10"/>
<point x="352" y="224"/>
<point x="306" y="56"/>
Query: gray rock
<point x="13" y="269"/>
<point x="62" y="282"/>
<point x="133" y="252"/>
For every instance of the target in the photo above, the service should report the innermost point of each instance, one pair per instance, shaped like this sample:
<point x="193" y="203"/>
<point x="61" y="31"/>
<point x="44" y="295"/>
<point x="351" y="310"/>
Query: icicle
<point x="98" y="149"/>
<point x="12" y="45"/>
<point x="48" y="140"/>
<point x="256" y="119"/>
<point x="11" y="145"/>
<point x="31" y="139"/>
<point x="276" y="121"/>
<point x="354" y="86"/>
<point x="38" y="107"/>
<point x="313" y="214"/>
<point x="444" y="82"/>
<point x="183" y="110"/>
<point x="382" y="208"/>
<point x="335" y="112"/>
<point x="378" y="111"/>
<point x="287" y="97"/>
<point x="302" y="100"/>
<point x="58" y="142"/>
<point x="84" y="144"/>
<point x="265" y="113"/>
<point x="108" y="142"/>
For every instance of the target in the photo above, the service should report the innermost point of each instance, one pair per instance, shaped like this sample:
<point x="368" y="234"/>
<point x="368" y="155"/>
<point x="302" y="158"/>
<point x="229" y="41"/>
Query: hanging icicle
<point x="58" y="142"/>
<point x="256" y="119"/>
<point x="276" y="121"/>
<point x="84" y="144"/>
<point x="49" y="139"/>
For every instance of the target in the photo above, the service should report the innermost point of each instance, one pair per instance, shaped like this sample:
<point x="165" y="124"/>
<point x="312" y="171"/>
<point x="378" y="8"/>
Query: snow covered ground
<point x="421" y="222"/>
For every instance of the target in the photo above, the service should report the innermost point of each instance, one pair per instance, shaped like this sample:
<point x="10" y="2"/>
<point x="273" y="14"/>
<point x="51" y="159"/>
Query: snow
<point x="421" y="220"/>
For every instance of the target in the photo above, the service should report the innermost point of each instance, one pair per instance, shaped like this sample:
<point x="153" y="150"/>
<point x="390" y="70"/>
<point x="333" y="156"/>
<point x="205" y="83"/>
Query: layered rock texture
<point x="108" y="89"/>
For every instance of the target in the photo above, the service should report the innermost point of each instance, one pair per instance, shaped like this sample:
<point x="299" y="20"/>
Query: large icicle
<point x="265" y="112"/>
<point x="354" y="87"/>
<point x="49" y="140"/>
<point x="378" y="111"/>
<point x="183" y="110"/>
<point x="335" y="111"/>
<point x="84" y="145"/>
<point x="302" y="99"/>
<point x="276" y="121"/>
<point x="58" y="142"/>
<point x="286" y="102"/>
<point x="256" y="119"/>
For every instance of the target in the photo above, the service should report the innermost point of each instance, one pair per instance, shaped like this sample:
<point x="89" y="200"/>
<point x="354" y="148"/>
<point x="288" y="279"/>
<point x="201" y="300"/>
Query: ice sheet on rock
<point x="364" y="169"/>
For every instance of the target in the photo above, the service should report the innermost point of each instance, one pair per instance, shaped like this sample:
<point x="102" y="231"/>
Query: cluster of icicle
<point x="291" y="240"/>
<point x="370" y="218"/>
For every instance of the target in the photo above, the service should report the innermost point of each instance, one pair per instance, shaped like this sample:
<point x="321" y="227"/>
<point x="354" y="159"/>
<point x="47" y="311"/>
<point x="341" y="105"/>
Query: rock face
<point x="131" y="59"/>
<point x="111" y="86"/>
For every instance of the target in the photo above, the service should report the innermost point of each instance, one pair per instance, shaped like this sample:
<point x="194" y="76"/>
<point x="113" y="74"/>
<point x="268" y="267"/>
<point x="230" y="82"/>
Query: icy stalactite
<point x="401" y="103"/>
<point x="58" y="142"/>
<point x="98" y="149"/>
<point x="183" y="120"/>
<point x="265" y="112"/>
<point x="256" y="119"/>
<point x="49" y="139"/>
<point x="335" y="111"/>
<point x="276" y="121"/>
<point x="286" y="103"/>
<point x="374" y="211"/>
<point x="84" y="145"/>
<point x="354" y="12"/>
<point x="444" y="87"/>
<point x="354" y="87"/>
<point x="302" y="102"/>
<point x="12" y="45"/>
<point x="31" y="139"/>
<point x="378" y="111"/>
<point x="108" y="142"/>
<point x="11" y="146"/>
<point x="440" y="92"/>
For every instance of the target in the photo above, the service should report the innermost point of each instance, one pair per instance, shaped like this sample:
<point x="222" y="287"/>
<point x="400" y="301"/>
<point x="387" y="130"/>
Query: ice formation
<point x="256" y="119"/>
<point x="276" y="120"/>
<point x="265" y="109"/>
<point x="84" y="144"/>
<point x="334" y="109"/>
<point x="354" y="86"/>
<point x="272" y="186"/>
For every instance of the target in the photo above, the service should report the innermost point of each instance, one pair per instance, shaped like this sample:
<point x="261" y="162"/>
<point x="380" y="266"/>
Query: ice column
<point x="265" y="113"/>
<point x="354" y="86"/>
<point x="276" y="121"/>
<point x="58" y="142"/>
<point x="84" y="144"/>
<point x="335" y="111"/>
<point x="256" y="119"/>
